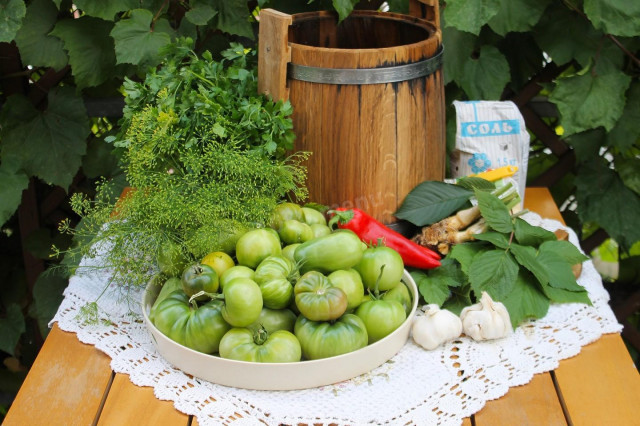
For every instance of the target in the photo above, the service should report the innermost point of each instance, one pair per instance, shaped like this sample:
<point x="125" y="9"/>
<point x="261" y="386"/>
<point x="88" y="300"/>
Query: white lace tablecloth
<point x="438" y="387"/>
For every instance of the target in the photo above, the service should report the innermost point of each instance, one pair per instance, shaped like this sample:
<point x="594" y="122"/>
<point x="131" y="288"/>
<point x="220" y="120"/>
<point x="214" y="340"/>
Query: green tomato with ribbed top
<point x="242" y="344"/>
<point x="317" y="299"/>
<point x="275" y="276"/>
<point x="200" y="328"/>
<point x="242" y="302"/>
<point x="324" y="339"/>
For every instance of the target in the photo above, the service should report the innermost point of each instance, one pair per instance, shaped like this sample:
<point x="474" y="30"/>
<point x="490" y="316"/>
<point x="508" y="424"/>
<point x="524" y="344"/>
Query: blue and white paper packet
<point x="489" y="135"/>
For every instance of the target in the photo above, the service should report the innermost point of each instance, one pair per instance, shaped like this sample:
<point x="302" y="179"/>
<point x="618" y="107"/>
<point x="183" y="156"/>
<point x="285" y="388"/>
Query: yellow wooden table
<point x="72" y="383"/>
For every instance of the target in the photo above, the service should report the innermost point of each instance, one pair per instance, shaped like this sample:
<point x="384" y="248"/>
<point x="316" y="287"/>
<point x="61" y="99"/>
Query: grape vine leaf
<point x="431" y="201"/>
<point x="626" y="132"/>
<point x="525" y="300"/>
<point x="344" y="7"/>
<point x="628" y="171"/>
<point x="603" y="198"/>
<point x="617" y="17"/>
<point x="12" y="183"/>
<point x="233" y="17"/>
<point x="399" y="6"/>
<point x="37" y="47"/>
<point x="459" y="47"/>
<point x="90" y="49"/>
<point x="588" y="101"/>
<point x="47" y="296"/>
<point x="100" y="159"/>
<point x="11" y="328"/>
<point x="200" y="13"/>
<point x="517" y="15"/>
<point x="494" y="271"/>
<point x="49" y="144"/>
<point x="486" y="77"/>
<point x="470" y="15"/>
<point x="564" y="38"/>
<point x="587" y="144"/>
<point x="106" y="10"/>
<point x="136" y="42"/>
<point x="11" y="14"/>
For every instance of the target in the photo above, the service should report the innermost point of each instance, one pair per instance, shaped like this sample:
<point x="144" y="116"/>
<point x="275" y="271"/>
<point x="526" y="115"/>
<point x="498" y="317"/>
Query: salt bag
<point x="489" y="135"/>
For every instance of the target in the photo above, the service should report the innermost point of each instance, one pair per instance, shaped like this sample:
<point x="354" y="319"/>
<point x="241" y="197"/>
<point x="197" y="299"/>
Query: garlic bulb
<point x="486" y="319"/>
<point x="435" y="327"/>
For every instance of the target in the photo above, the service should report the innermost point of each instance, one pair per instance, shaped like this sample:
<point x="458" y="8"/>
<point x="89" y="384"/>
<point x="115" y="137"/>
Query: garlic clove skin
<point x="486" y="320"/>
<point x="435" y="327"/>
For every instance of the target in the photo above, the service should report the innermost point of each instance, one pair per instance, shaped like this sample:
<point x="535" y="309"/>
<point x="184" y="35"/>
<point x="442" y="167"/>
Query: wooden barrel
<point x="368" y="100"/>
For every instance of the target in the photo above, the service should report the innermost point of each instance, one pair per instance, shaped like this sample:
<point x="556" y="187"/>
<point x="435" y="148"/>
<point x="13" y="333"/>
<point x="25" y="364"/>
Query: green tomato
<point x="238" y="271"/>
<point x="242" y="302"/>
<point x="317" y="299"/>
<point x="313" y="217"/>
<point x="349" y="281"/>
<point x="275" y="276"/>
<point x="171" y="260"/>
<point x="274" y="320"/>
<point x="342" y="249"/>
<point x="381" y="317"/>
<point x="169" y="286"/>
<point x="284" y="212"/>
<point x="256" y="245"/>
<point x="320" y="230"/>
<point x="382" y="267"/>
<point x="400" y="293"/>
<point x="289" y="251"/>
<point x="197" y="278"/>
<point x="324" y="339"/>
<point x="198" y="328"/>
<point x="242" y="344"/>
<point x="293" y="231"/>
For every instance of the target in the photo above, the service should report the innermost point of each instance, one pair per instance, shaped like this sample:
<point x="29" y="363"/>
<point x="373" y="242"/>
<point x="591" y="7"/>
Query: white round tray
<point x="279" y="376"/>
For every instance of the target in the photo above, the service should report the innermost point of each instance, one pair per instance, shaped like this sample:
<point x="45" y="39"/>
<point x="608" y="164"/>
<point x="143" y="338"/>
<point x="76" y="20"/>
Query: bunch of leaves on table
<point x="490" y="250"/>
<point x="206" y="156"/>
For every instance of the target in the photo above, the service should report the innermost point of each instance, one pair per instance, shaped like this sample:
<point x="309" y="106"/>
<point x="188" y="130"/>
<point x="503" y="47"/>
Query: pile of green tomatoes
<point x="296" y="290"/>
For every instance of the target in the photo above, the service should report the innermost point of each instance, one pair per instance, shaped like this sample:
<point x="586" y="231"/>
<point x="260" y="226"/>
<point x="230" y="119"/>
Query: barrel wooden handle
<point x="428" y="10"/>
<point x="274" y="53"/>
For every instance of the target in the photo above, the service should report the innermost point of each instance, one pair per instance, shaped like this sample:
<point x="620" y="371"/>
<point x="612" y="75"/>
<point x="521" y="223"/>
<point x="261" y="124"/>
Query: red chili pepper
<point x="370" y="230"/>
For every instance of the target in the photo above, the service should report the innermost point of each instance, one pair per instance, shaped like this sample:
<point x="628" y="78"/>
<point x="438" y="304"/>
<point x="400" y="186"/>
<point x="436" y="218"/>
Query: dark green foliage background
<point x="493" y="48"/>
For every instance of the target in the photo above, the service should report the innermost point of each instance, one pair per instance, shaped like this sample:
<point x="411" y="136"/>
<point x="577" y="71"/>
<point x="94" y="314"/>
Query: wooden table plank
<point x="539" y="200"/>
<point x="536" y="403"/>
<point x="601" y="386"/>
<point x="128" y="404"/>
<point x="65" y="385"/>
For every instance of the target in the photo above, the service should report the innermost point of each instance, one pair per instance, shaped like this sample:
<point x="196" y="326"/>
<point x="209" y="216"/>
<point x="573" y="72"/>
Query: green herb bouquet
<point x="206" y="156"/>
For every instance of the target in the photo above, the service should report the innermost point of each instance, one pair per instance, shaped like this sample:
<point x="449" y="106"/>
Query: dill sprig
<point x="207" y="156"/>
